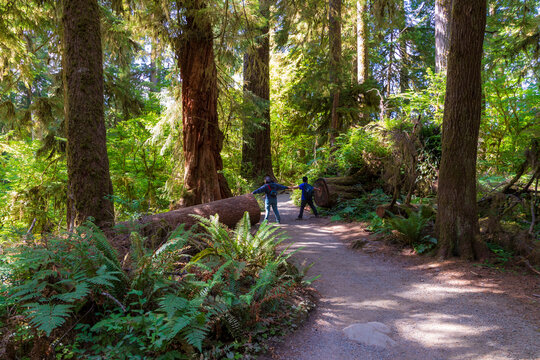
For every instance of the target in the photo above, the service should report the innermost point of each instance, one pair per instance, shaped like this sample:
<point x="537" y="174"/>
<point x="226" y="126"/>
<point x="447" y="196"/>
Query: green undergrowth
<point x="412" y="229"/>
<point x="212" y="294"/>
<point x="361" y="209"/>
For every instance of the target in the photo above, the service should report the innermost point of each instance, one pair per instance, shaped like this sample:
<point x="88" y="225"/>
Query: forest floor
<point x="434" y="309"/>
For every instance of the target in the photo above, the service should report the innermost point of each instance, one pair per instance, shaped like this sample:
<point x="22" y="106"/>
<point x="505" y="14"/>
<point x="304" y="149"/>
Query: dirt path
<point x="429" y="317"/>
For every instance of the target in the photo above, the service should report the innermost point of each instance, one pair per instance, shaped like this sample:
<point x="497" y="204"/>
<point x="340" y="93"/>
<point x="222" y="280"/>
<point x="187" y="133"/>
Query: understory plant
<point x="72" y="297"/>
<point x="411" y="229"/>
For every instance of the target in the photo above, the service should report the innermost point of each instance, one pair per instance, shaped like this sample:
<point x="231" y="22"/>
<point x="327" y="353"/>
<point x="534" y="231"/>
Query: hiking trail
<point x="420" y="314"/>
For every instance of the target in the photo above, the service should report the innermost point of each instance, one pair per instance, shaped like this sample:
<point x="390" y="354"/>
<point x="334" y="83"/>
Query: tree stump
<point x="338" y="188"/>
<point x="159" y="226"/>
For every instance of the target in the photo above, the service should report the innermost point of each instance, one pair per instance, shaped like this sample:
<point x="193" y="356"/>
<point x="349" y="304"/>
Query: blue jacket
<point x="266" y="188"/>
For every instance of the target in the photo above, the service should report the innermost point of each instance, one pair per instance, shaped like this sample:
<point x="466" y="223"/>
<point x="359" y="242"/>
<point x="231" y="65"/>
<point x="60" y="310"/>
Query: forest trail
<point x="428" y="317"/>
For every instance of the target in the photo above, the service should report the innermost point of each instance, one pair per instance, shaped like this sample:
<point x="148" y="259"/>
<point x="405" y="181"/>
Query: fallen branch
<point x="528" y="264"/>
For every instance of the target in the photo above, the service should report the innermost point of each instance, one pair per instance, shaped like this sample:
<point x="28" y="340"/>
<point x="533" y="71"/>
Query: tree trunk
<point x="334" y="35"/>
<point x="361" y="41"/>
<point x="256" y="148"/>
<point x="443" y="11"/>
<point x="154" y="65"/>
<point x="202" y="138"/>
<point x="402" y="47"/>
<point x="457" y="218"/>
<point x="159" y="226"/>
<point x="89" y="181"/>
<point x="332" y="190"/>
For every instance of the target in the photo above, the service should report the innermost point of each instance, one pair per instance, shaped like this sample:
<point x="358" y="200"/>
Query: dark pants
<point x="311" y="205"/>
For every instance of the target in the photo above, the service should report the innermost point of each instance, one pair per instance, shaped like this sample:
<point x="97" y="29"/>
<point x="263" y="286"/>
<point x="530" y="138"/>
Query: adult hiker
<point x="270" y="189"/>
<point x="307" y="197"/>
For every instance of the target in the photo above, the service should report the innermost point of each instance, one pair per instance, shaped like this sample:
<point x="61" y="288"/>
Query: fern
<point x="241" y="244"/>
<point x="81" y="291"/>
<point x="103" y="277"/>
<point x="48" y="317"/>
<point x="172" y="303"/>
<point x="409" y="228"/>
<point x="196" y="335"/>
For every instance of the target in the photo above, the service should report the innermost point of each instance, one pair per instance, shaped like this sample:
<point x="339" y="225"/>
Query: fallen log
<point x="159" y="226"/>
<point x="332" y="190"/>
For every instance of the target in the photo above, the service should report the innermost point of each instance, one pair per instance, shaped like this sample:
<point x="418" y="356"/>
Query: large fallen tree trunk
<point x="157" y="227"/>
<point x="332" y="190"/>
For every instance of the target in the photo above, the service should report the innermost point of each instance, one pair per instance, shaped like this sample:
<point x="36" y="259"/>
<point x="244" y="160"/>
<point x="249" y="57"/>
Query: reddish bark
<point x="202" y="138"/>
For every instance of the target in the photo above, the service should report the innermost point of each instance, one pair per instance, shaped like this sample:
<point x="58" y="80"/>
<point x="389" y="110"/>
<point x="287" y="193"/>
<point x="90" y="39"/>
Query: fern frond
<point x="80" y="292"/>
<point x="104" y="277"/>
<point x="47" y="317"/>
<point x="29" y="290"/>
<point x="196" y="335"/>
<point x="100" y="241"/>
<point x="177" y="325"/>
<point x="170" y="304"/>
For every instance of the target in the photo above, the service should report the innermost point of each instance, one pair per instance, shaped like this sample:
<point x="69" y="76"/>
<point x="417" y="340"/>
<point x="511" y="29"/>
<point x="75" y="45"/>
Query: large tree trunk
<point x="89" y="181"/>
<point x="256" y="148"/>
<point x="159" y="226"/>
<point x="361" y="41"/>
<point x="443" y="11"/>
<point x="334" y="35"/>
<point x="202" y="138"/>
<point x="457" y="218"/>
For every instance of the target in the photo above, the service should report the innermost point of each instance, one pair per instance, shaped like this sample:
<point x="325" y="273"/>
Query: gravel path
<point x="429" y="318"/>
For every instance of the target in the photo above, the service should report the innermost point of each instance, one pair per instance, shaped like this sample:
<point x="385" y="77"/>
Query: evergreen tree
<point x="256" y="146"/>
<point x="457" y="217"/>
<point x="89" y="182"/>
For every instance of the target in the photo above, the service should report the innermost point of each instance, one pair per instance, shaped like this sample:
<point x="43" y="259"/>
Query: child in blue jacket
<point x="307" y="197"/>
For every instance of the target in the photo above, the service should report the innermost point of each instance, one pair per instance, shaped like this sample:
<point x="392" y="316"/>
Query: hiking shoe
<point x="298" y="218"/>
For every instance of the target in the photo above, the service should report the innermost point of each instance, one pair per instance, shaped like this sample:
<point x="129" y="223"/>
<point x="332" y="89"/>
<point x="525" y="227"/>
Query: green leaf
<point x="47" y="317"/>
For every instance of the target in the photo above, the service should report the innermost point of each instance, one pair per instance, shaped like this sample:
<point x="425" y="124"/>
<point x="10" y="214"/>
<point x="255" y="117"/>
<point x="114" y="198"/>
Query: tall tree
<point x="89" y="181"/>
<point x="202" y="138"/>
<point x="443" y="11"/>
<point x="361" y="41"/>
<point x="256" y="148"/>
<point x="402" y="46"/>
<point x="334" y="35"/>
<point x="457" y="218"/>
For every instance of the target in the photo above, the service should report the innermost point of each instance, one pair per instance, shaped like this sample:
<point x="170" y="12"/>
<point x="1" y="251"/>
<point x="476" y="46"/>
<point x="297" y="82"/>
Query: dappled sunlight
<point x="436" y="329"/>
<point x="380" y="304"/>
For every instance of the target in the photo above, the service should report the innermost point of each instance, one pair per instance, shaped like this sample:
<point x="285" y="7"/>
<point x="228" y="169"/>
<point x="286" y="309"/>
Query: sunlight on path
<point x="428" y="318"/>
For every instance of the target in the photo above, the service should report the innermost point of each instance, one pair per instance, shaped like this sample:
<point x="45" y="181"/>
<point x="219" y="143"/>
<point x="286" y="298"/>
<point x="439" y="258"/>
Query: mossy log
<point x="158" y="226"/>
<point x="332" y="190"/>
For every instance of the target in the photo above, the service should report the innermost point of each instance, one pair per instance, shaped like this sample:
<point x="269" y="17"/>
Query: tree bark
<point x="89" y="181"/>
<point x="361" y="41"/>
<point x="443" y="11"/>
<point x="159" y="226"/>
<point x="334" y="35"/>
<point x="457" y="218"/>
<point x="202" y="138"/>
<point x="256" y="148"/>
<point x="333" y="190"/>
<point x="402" y="47"/>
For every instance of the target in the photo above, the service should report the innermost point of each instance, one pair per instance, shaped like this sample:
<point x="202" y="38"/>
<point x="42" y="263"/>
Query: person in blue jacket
<point x="307" y="197"/>
<point x="270" y="189"/>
